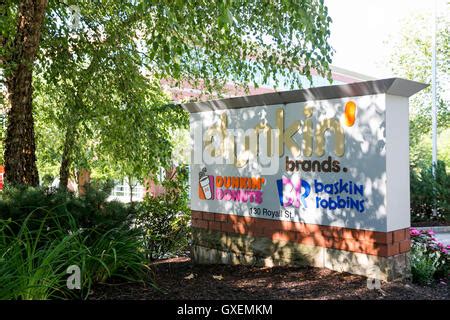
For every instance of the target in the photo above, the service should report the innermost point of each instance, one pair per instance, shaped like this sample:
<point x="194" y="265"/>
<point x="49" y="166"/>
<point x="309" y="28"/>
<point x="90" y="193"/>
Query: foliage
<point x="411" y="59"/>
<point x="88" y="211"/>
<point x="201" y="40"/>
<point x="43" y="232"/>
<point x="116" y="124"/>
<point x="428" y="192"/>
<point x="429" y="258"/>
<point x="420" y="151"/>
<point x="99" y="66"/>
<point x="33" y="260"/>
<point x="116" y="253"/>
<point x="164" y="218"/>
<point x="423" y="266"/>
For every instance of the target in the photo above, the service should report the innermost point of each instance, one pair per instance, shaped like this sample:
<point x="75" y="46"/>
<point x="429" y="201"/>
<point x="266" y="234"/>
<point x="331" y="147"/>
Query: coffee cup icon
<point x="204" y="183"/>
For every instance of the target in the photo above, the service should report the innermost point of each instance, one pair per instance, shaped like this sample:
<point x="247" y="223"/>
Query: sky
<point x="361" y="29"/>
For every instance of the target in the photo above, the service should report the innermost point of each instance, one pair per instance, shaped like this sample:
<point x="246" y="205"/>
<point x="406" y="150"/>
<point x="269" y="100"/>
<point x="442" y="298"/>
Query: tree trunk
<point x="131" y="190"/>
<point x="84" y="178"/>
<point x="20" y="157"/>
<point x="66" y="161"/>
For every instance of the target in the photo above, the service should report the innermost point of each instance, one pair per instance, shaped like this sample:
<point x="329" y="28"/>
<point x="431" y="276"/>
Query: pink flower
<point x="414" y="232"/>
<point x="430" y="232"/>
<point x="444" y="251"/>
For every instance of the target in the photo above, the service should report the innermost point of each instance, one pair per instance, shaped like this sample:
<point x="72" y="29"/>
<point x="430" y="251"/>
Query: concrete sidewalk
<point x="442" y="234"/>
<point x="443" y="237"/>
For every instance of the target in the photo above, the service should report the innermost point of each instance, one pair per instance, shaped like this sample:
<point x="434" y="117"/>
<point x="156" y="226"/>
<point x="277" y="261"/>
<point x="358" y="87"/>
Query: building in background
<point x="124" y="191"/>
<point x="185" y="92"/>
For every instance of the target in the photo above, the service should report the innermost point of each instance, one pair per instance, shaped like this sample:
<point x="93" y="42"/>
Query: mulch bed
<point x="172" y="277"/>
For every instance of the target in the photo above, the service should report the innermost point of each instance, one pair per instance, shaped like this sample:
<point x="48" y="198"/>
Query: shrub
<point x="428" y="192"/>
<point x="33" y="261"/>
<point x="423" y="266"/>
<point x="90" y="210"/>
<point x="165" y="218"/>
<point x="429" y="258"/>
<point x="42" y="232"/>
<point x="117" y="253"/>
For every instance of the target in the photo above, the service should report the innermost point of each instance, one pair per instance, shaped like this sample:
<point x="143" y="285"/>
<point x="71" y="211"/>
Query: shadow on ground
<point x="174" y="280"/>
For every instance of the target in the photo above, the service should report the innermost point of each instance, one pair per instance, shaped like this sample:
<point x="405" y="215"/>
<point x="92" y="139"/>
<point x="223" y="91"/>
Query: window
<point x="122" y="191"/>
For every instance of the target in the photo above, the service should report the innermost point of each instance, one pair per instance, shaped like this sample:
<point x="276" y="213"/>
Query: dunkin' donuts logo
<point x="230" y="188"/>
<point x="206" y="186"/>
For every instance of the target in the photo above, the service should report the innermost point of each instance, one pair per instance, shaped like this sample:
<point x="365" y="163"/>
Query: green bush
<point x="423" y="266"/>
<point x="165" y="218"/>
<point x="118" y="253"/>
<point x="33" y="261"/>
<point x="90" y="210"/>
<point x="43" y="232"/>
<point x="430" y="259"/>
<point x="428" y="192"/>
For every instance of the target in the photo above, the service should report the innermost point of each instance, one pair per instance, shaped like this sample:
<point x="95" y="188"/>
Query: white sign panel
<point x="339" y="162"/>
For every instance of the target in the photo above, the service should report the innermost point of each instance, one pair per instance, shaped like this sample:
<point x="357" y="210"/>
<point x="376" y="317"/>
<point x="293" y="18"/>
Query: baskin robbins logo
<point x="341" y="194"/>
<point x="230" y="188"/>
<point x="293" y="191"/>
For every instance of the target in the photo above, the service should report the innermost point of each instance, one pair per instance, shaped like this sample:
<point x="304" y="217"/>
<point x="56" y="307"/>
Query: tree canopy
<point x="411" y="59"/>
<point x="98" y="64"/>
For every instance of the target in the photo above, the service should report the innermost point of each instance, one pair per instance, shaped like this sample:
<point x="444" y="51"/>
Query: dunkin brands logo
<point x="230" y="188"/>
<point x="265" y="143"/>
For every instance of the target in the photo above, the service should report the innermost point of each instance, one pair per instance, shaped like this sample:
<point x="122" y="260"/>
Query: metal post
<point x="433" y="96"/>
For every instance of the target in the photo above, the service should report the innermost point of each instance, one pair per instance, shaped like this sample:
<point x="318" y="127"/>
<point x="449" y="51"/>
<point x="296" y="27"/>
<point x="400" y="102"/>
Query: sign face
<point x="320" y="162"/>
<point x="333" y="156"/>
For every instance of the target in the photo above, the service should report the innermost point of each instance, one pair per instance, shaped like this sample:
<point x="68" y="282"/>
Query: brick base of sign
<point x="231" y="239"/>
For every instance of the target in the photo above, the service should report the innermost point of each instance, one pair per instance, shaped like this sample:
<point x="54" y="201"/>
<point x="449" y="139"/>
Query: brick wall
<point x="384" y="244"/>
